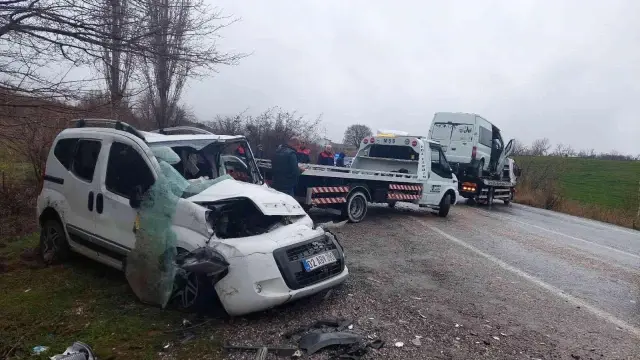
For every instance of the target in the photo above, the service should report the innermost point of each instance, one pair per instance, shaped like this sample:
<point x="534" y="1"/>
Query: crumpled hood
<point x="269" y="201"/>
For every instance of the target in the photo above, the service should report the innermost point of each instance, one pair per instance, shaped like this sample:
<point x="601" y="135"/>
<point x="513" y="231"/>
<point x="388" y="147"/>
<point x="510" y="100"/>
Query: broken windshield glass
<point x="209" y="161"/>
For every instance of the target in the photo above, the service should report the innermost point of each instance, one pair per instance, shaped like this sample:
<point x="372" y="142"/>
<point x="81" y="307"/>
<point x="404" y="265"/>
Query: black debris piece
<point x="376" y="344"/>
<point x="339" y="325"/>
<point x="315" y="341"/>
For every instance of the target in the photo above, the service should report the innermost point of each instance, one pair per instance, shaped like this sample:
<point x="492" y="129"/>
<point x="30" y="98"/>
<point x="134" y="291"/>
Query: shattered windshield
<point x="204" y="163"/>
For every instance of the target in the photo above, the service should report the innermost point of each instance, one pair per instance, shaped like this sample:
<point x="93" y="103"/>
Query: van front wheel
<point x="445" y="205"/>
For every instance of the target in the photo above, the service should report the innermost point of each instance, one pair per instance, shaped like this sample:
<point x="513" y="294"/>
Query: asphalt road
<point x="519" y="282"/>
<point x="484" y="283"/>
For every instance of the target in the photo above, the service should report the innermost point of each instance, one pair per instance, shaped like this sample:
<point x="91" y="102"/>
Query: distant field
<point x="607" y="183"/>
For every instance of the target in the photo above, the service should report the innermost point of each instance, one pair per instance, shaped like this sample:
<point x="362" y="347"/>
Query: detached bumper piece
<point x="203" y="260"/>
<point x="289" y="260"/>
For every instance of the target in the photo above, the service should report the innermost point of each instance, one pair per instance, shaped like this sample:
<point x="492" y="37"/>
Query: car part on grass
<point x="287" y="351"/>
<point x="77" y="351"/>
<point x="316" y="341"/>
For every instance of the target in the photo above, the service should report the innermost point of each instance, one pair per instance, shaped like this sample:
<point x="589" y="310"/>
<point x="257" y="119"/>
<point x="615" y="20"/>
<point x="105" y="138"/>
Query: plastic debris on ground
<point x="37" y="350"/>
<point x="77" y="351"/>
<point x="150" y="267"/>
<point x="337" y="335"/>
<point x="398" y="344"/>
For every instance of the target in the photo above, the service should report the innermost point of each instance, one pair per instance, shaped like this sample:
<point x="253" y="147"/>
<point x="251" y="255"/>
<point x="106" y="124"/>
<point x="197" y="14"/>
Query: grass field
<point x="604" y="190"/>
<point x="85" y="301"/>
<point x="607" y="183"/>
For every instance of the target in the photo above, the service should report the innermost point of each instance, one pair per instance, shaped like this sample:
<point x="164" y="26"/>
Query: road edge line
<point x="552" y="289"/>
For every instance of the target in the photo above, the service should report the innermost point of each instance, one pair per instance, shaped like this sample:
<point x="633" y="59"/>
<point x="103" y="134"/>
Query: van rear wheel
<point x="53" y="242"/>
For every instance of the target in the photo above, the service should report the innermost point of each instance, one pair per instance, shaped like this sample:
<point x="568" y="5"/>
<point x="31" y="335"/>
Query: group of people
<point x="284" y="165"/>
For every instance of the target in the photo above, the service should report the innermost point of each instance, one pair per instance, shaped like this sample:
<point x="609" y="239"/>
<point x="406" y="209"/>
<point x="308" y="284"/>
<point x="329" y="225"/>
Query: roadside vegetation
<point x="604" y="187"/>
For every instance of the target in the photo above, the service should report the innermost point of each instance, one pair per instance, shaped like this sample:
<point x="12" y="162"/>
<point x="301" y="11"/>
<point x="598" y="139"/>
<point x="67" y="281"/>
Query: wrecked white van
<point x="186" y="217"/>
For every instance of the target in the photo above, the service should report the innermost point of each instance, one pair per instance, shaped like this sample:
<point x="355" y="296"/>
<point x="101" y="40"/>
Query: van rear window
<point x="441" y="131"/>
<point x="453" y="132"/>
<point x="393" y="152"/>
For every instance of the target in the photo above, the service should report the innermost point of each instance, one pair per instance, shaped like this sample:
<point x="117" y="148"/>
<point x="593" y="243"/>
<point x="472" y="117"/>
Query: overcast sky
<point x="566" y="70"/>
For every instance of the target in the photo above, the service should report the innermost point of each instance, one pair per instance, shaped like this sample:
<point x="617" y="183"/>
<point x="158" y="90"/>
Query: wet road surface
<point x="521" y="282"/>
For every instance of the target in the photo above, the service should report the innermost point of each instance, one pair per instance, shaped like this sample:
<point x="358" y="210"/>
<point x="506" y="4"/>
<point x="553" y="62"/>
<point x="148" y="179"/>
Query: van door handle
<point x="90" y="201"/>
<point x="453" y="148"/>
<point x="99" y="203"/>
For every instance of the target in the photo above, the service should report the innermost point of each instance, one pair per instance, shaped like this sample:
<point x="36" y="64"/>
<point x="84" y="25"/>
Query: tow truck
<point x="388" y="168"/>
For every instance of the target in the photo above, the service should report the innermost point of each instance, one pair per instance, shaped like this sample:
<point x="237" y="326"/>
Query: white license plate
<point x="319" y="260"/>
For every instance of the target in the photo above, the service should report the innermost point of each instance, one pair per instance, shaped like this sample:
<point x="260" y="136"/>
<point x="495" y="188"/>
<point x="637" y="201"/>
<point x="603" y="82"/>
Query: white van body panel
<point x="458" y="133"/>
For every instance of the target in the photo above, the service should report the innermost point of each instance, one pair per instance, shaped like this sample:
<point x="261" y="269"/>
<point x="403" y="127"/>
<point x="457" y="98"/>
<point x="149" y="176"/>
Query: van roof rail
<point x="110" y="123"/>
<point x="183" y="130"/>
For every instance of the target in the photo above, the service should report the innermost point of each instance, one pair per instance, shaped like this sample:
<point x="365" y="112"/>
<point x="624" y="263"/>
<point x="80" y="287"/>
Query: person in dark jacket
<point x="326" y="157"/>
<point x="340" y="159"/>
<point x="303" y="154"/>
<point x="284" y="167"/>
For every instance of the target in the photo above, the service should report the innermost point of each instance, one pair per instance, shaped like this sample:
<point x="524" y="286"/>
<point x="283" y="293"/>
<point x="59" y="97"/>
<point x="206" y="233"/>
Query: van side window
<point x="485" y="137"/>
<point x="64" y="151"/>
<point x="126" y="170"/>
<point x="85" y="159"/>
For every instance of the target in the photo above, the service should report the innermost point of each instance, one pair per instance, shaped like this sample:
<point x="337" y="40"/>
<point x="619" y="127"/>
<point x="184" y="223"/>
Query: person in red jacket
<point x="326" y="157"/>
<point x="303" y="154"/>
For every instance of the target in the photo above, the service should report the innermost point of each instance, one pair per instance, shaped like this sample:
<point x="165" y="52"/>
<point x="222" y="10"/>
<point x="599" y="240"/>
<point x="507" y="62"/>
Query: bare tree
<point x="117" y="64"/>
<point x="540" y="147"/>
<point x="355" y="133"/>
<point x="519" y="148"/>
<point x="269" y="129"/>
<point x="181" y="47"/>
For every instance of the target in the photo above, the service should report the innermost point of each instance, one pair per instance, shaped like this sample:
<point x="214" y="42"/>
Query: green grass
<point x="83" y="301"/>
<point x="607" y="183"/>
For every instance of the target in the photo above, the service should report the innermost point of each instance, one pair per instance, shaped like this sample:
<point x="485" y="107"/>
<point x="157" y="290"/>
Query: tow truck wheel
<point x="392" y="204"/>
<point x="445" y="205"/>
<point x="356" y="207"/>
<point x="481" y="168"/>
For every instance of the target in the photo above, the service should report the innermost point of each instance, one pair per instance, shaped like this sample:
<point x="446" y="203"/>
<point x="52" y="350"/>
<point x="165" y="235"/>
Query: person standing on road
<point x="303" y="154"/>
<point x="326" y="157"/>
<point x="284" y="167"/>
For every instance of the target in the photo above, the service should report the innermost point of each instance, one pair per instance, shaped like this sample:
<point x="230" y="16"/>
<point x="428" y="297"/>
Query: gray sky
<point x="566" y="70"/>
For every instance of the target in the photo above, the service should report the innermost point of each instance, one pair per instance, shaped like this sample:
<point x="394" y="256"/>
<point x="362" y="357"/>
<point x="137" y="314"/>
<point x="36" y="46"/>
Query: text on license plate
<point x="319" y="260"/>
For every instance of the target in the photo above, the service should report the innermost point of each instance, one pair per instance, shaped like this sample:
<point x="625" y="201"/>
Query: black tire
<point x="54" y="246"/>
<point x="392" y="204"/>
<point x="480" y="170"/>
<point x="196" y="293"/>
<point x="355" y="209"/>
<point x="445" y="205"/>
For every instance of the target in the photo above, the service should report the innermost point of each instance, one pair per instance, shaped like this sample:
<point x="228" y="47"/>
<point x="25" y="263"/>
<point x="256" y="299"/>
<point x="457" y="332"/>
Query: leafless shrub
<point x="268" y="129"/>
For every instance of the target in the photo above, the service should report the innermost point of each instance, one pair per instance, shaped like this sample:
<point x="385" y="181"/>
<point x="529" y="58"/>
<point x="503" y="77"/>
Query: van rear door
<point x="456" y="140"/>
